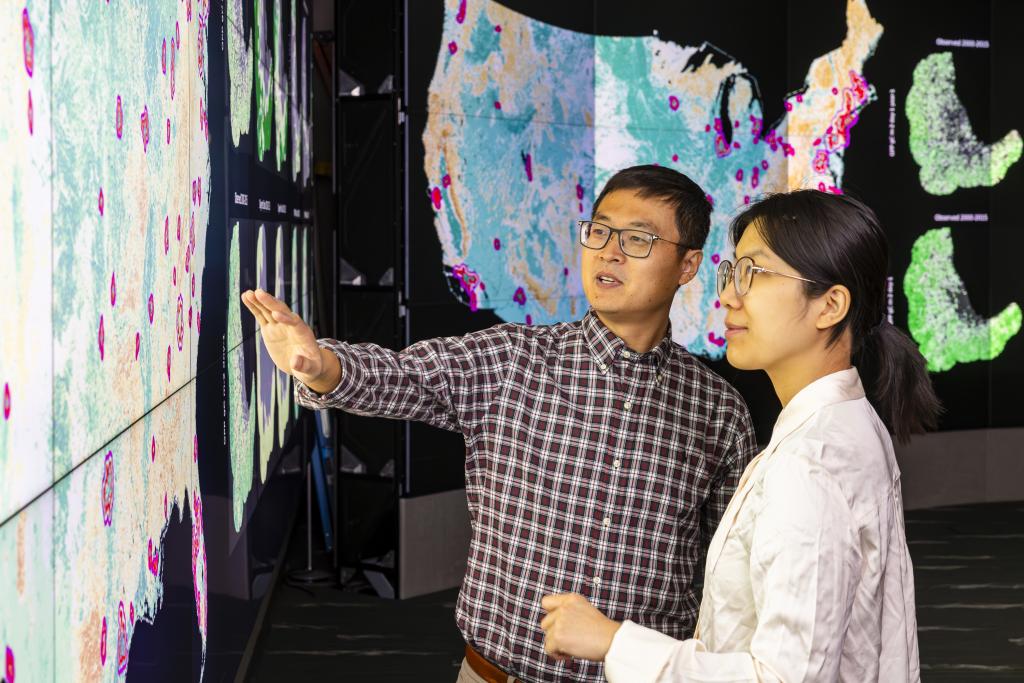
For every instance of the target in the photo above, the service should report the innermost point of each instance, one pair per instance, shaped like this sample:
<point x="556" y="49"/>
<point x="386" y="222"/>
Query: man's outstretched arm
<point x="447" y="382"/>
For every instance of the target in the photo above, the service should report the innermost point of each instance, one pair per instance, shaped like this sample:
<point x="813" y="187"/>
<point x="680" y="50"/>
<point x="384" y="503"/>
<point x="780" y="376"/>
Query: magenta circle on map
<point x="144" y="125"/>
<point x="100" y="337"/>
<point x="107" y="490"/>
<point x="28" y="46"/>
<point x="174" y="49"/>
<point x="122" y="640"/>
<point x="180" y="327"/>
<point x="7" y="401"/>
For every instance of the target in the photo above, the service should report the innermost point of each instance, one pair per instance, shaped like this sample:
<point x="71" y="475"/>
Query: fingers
<point x="271" y="303"/>
<point x="254" y="307"/>
<point x="266" y="308"/>
<point x="551" y="646"/>
<point x="290" y="319"/>
<point x="547" y="622"/>
<point x="555" y="600"/>
<point x="551" y="603"/>
<point x="553" y="649"/>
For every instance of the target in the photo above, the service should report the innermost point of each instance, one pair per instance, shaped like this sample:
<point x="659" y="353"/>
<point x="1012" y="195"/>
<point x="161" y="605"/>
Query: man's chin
<point x="607" y="300"/>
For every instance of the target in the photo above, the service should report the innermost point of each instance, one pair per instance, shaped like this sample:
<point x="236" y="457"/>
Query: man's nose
<point x="612" y="251"/>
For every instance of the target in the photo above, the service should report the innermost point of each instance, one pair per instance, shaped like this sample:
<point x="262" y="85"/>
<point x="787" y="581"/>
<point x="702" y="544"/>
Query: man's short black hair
<point x="693" y="210"/>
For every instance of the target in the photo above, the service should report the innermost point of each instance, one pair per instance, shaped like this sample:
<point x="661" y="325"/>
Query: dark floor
<point x="968" y="565"/>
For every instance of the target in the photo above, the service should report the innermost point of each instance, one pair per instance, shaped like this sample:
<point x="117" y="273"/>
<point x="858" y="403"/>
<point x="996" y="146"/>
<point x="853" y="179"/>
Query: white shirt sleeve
<point x="643" y="655"/>
<point x="804" y="566"/>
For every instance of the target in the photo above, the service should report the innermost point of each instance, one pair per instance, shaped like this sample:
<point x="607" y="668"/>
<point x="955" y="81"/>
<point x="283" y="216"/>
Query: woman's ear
<point x="835" y="307"/>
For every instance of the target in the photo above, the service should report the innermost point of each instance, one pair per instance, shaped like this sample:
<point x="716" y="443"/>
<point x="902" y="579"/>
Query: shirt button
<point x="597" y="580"/>
<point x="607" y="521"/>
<point x="626" y="354"/>
<point x="604" y="368"/>
<point x="628" y="405"/>
<point x="617" y="464"/>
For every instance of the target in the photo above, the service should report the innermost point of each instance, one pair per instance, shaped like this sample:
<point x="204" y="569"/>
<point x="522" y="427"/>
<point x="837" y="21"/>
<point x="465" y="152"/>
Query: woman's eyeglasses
<point x="742" y="275"/>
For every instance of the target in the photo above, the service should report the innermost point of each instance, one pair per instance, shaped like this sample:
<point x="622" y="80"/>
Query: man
<point x="600" y="454"/>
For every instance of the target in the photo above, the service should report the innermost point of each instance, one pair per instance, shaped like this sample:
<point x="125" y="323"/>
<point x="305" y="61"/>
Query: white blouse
<point x="808" y="576"/>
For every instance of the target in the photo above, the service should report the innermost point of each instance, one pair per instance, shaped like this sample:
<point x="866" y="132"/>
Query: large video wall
<point x="156" y="163"/>
<point x="524" y="109"/>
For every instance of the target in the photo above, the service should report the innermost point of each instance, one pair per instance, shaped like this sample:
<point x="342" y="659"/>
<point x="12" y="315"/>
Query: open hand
<point x="291" y="343"/>
<point x="575" y="628"/>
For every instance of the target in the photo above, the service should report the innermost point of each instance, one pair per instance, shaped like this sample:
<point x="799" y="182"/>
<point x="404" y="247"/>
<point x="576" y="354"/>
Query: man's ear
<point x="690" y="265"/>
<point x="835" y="305"/>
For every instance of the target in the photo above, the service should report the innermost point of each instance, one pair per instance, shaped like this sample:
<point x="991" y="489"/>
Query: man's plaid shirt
<point x="590" y="468"/>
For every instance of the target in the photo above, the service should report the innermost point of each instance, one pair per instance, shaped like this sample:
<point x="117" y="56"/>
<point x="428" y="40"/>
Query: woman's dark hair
<point x="693" y="210"/>
<point x="837" y="240"/>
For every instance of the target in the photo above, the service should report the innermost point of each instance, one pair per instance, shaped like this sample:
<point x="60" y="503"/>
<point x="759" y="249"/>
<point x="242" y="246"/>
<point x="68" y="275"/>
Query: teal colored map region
<point x="548" y="115"/>
<point x="26" y="230"/>
<point x="132" y="193"/>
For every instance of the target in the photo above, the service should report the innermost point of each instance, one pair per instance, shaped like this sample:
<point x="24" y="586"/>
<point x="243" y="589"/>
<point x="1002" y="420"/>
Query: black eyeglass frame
<point x="582" y="225"/>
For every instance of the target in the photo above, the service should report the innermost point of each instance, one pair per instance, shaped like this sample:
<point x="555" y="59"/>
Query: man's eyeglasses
<point x="742" y="275"/>
<point x="634" y="243"/>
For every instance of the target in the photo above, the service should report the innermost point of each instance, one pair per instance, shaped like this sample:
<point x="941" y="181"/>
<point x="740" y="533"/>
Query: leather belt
<point x="485" y="669"/>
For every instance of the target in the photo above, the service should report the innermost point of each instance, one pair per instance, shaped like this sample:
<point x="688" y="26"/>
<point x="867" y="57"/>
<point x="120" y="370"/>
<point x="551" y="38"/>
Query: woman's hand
<point x="575" y="628"/>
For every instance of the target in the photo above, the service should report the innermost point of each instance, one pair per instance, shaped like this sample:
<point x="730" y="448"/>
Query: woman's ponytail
<point x="900" y="387"/>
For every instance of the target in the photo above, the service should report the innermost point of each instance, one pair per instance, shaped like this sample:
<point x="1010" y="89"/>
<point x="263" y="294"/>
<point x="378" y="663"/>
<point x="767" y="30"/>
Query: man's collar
<point x="608" y="347"/>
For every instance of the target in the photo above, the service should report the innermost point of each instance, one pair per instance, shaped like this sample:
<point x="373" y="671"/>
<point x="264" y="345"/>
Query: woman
<point x="808" y="576"/>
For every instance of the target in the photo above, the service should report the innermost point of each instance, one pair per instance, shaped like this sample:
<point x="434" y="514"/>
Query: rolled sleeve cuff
<point x="339" y="394"/>
<point x="639" y="654"/>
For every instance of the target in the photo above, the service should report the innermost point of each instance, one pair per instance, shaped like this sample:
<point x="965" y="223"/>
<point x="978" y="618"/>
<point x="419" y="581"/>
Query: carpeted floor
<point x="969" y="573"/>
